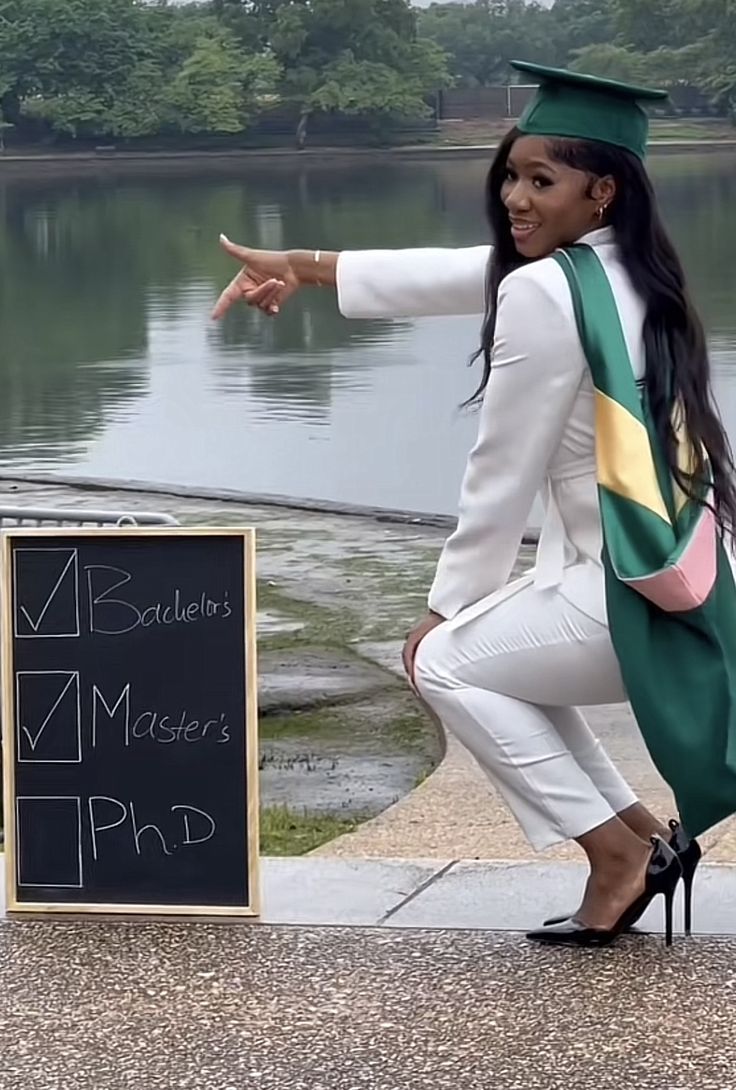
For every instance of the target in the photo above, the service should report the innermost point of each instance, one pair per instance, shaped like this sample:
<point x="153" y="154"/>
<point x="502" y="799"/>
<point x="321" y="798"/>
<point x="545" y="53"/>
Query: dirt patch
<point x="300" y="678"/>
<point x="355" y="759"/>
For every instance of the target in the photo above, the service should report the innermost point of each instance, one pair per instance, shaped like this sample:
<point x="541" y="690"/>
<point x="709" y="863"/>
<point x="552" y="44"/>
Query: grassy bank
<point x="286" y="831"/>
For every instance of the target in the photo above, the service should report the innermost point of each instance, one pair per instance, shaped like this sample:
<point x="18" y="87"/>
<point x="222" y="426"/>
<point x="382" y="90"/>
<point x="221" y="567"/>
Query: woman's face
<point x="549" y="204"/>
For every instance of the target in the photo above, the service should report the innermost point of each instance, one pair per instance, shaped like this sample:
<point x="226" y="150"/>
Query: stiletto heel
<point x="690" y="854"/>
<point x="688" y="887"/>
<point x="669" y="907"/>
<point x="663" y="874"/>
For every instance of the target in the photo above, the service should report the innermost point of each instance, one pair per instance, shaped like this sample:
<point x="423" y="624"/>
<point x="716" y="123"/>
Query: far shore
<point x="45" y="160"/>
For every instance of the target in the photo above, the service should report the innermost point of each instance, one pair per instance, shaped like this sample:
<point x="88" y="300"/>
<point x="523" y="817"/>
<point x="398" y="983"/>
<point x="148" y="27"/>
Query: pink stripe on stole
<point x="687" y="584"/>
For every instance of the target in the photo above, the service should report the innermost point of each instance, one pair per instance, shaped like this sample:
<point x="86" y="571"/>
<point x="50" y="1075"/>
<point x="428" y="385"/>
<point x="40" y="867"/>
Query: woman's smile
<point x="522" y="230"/>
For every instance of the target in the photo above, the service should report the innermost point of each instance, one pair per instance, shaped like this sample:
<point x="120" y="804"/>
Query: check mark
<point x="34" y="739"/>
<point x="35" y="625"/>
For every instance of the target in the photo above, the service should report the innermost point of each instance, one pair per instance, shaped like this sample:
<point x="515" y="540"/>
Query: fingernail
<point x="224" y="238"/>
<point x="274" y="310"/>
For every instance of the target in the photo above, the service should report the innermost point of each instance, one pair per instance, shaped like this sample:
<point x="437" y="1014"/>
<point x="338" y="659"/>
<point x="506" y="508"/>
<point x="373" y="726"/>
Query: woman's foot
<point x="662" y="871"/>
<point x="618" y="865"/>
<point x="614" y="884"/>
<point x="644" y="825"/>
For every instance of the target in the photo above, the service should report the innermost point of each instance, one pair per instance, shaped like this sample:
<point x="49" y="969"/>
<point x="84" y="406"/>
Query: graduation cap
<point x="587" y="108"/>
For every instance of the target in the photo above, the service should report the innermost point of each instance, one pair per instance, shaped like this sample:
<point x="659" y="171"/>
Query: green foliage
<point x="482" y="37"/>
<point x="123" y="69"/>
<point x="581" y="23"/>
<point x="218" y="86"/>
<point x="665" y="42"/>
<point x="612" y="62"/>
<point x="356" y="57"/>
<point x="126" y="69"/>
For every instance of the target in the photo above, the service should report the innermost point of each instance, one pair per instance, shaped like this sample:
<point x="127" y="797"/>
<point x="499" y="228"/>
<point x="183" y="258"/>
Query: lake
<point x="112" y="368"/>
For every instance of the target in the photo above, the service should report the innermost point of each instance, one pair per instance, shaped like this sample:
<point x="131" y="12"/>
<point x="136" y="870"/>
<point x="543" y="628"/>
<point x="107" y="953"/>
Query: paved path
<point x="99" y="1006"/>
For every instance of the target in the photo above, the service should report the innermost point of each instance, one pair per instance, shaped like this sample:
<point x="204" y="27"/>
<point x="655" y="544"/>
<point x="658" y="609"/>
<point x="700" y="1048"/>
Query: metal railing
<point x="11" y="517"/>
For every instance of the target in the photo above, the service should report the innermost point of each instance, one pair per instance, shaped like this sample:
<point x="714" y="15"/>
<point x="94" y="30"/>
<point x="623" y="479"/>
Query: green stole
<point x="677" y="659"/>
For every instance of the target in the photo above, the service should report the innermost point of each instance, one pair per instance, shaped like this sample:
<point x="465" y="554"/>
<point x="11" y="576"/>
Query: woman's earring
<point x="600" y="212"/>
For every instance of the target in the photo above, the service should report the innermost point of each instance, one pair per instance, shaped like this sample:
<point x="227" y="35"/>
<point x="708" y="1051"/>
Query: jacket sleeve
<point x="411" y="283"/>
<point x="537" y="367"/>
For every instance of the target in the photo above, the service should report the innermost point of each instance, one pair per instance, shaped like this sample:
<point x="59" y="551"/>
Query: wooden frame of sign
<point x="10" y="542"/>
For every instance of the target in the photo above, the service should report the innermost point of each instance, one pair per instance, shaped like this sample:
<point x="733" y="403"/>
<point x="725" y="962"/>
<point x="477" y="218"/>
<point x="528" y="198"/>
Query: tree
<point x="582" y="23"/>
<point x="376" y="90"/>
<point x="698" y="47"/>
<point x="217" y="87"/>
<point x="661" y="42"/>
<point x="613" y="62"/>
<point x="646" y="27"/>
<point x="53" y="48"/>
<point x="362" y="57"/>
<point x="117" y="68"/>
<point x="482" y="37"/>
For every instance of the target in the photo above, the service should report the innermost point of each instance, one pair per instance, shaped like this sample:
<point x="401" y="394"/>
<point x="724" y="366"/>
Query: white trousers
<point x="506" y="683"/>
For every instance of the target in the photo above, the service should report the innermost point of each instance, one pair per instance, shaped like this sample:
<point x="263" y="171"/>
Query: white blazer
<point x="537" y="429"/>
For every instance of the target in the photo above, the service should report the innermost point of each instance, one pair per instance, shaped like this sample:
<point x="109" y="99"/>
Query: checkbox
<point x="46" y="593"/>
<point x="48" y="717"/>
<point x="49" y="841"/>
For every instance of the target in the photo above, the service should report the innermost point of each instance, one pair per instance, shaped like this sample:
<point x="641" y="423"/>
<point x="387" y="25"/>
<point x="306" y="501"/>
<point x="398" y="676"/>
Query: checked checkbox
<point x="46" y="593"/>
<point x="48" y="717"/>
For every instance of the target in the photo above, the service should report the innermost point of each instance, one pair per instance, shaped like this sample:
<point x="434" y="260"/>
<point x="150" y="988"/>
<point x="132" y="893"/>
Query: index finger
<point x="233" y="293"/>
<point x="240" y="253"/>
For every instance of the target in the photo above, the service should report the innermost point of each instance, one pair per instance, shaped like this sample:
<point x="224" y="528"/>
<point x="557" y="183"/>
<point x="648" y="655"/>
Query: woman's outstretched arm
<point x="369" y="283"/>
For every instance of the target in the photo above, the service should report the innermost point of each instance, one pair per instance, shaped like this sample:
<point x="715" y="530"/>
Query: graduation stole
<point x="670" y="593"/>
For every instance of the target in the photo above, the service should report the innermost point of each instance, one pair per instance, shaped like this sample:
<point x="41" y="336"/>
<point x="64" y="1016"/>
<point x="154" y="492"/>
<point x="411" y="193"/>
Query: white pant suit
<point x="508" y="668"/>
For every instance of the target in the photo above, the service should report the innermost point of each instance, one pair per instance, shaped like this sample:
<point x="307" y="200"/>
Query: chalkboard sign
<point x="129" y="721"/>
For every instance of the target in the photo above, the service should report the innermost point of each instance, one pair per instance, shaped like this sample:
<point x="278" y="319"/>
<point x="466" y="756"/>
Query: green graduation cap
<point x="587" y="108"/>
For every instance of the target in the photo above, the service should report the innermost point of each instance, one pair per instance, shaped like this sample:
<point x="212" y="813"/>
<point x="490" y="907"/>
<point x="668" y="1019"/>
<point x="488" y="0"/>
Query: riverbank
<point x="479" y="147"/>
<point x="351" y="766"/>
<point x="341" y="737"/>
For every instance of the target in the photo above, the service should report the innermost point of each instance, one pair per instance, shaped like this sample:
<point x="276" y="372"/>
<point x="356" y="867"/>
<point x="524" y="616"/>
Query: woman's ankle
<point x="643" y="823"/>
<point x="614" y="847"/>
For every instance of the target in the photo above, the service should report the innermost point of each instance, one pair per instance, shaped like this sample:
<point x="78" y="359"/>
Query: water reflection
<point x="111" y="367"/>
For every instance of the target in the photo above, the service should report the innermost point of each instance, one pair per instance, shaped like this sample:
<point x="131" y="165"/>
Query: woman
<point x="505" y="666"/>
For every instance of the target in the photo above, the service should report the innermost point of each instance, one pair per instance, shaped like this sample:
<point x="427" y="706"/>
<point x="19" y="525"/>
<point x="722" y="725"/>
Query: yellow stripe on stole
<point x="624" y="459"/>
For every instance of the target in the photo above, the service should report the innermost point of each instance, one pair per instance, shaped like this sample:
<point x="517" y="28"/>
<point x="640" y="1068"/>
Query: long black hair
<point x="677" y="364"/>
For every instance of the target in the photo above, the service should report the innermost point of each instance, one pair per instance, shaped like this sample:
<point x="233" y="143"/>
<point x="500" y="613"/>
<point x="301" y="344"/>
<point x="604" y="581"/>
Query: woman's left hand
<point x="415" y="637"/>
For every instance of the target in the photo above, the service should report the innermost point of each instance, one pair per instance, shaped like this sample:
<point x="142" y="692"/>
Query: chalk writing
<point x="110" y="616"/>
<point x="107" y="814"/>
<point x="165" y="729"/>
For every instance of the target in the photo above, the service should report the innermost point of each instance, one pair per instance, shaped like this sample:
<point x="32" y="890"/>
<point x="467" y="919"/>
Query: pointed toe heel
<point x="663" y="874"/>
<point x="690" y="854"/>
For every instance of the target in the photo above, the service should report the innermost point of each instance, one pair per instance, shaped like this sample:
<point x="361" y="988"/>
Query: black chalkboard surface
<point x="129" y="718"/>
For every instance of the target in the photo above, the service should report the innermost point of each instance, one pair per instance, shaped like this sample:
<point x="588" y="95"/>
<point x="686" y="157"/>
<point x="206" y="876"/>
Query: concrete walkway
<point x="99" y="1006"/>
<point x="411" y="991"/>
<point x="450" y="894"/>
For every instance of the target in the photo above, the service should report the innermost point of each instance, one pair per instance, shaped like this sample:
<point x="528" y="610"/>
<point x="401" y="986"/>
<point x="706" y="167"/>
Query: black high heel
<point x="689" y="853"/>
<point x="663" y="874"/>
